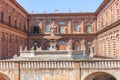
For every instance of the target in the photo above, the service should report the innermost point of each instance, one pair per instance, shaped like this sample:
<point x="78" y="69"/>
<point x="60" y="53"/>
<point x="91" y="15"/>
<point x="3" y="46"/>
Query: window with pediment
<point x="62" y="27"/>
<point x="88" y="27"/>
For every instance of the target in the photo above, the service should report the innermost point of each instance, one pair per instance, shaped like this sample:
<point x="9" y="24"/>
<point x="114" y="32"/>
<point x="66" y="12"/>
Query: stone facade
<point x="99" y="31"/>
<point x="57" y="70"/>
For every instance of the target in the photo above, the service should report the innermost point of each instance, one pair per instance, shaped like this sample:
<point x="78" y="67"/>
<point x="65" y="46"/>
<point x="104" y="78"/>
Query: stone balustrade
<point x="47" y="64"/>
<point x="104" y="64"/>
<point x="84" y="64"/>
<point x="5" y="64"/>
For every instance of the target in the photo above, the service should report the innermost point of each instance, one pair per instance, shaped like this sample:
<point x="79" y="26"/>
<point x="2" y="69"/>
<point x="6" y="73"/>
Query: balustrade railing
<point x="46" y="64"/>
<point x="5" y="64"/>
<point x="92" y="64"/>
<point x="100" y="64"/>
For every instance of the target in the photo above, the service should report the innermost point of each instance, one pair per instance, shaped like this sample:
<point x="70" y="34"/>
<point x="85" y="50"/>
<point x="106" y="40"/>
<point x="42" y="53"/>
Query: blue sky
<point x="38" y="6"/>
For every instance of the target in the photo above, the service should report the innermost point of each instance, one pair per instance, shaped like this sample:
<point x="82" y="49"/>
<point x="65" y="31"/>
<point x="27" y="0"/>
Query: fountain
<point x="52" y="38"/>
<point x="52" y="53"/>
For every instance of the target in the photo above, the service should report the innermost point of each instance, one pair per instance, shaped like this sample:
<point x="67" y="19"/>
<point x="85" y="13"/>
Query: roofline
<point x="63" y="14"/>
<point x="104" y="3"/>
<point x="19" y="6"/>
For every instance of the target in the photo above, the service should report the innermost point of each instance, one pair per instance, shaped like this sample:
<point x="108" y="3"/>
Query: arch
<point x="62" y="44"/>
<point x="36" y="29"/>
<point x="76" y="45"/>
<point x="4" y="76"/>
<point x="100" y="76"/>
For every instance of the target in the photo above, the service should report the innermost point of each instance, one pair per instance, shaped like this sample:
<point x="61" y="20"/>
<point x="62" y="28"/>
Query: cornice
<point x="113" y="25"/>
<point x="12" y="29"/>
<point x="19" y="6"/>
<point x="64" y="14"/>
<point x="100" y="8"/>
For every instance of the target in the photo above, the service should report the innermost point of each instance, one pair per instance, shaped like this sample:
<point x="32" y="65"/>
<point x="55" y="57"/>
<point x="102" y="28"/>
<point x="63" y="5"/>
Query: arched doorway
<point x="100" y="76"/>
<point x="3" y="77"/>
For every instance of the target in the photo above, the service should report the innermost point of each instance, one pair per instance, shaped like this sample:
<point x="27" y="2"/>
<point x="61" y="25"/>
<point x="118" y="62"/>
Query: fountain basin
<point x="52" y="37"/>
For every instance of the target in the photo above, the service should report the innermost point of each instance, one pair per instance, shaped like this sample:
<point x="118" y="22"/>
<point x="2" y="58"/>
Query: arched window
<point x="36" y="28"/>
<point x="88" y="27"/>
<point x="36" y="45"/>
<point x="76" y="45"/>
<point x="62" y="45"/>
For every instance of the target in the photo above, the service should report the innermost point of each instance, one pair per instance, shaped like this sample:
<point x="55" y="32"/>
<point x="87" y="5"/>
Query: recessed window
<point x="47" y="28"/>
<point x="76" y="28"/>
<point x="88" y="27"/>
<point x="9" y="20"/>
<point x="62" y="29"/>
<point x="36" y="29"/>
<point x="1" y="16"/>
<point x="15" y="23"/>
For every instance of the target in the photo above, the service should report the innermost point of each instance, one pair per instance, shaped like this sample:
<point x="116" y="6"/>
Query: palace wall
<point x="13" y="28"/>
<point x="81" y="28"/>
<point x="108" y="29"/>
